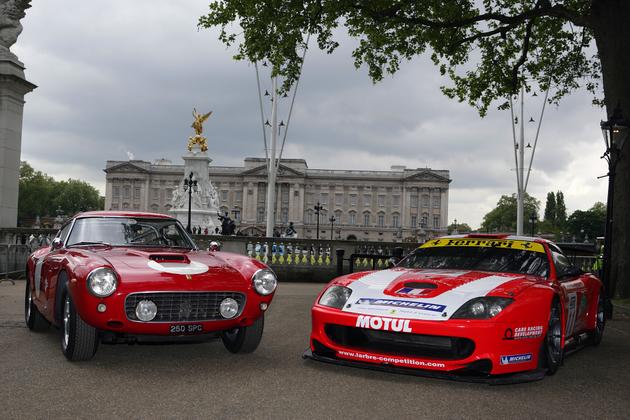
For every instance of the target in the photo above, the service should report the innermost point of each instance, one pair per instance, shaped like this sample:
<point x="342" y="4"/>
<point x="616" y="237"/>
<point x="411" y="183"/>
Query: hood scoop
<point x="420" y="285"/>
<point x="169" y="258"/>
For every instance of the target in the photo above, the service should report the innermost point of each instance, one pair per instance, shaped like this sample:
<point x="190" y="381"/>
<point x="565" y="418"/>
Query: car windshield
<point x="481" y="258"/>
<point x="124" y="231"/>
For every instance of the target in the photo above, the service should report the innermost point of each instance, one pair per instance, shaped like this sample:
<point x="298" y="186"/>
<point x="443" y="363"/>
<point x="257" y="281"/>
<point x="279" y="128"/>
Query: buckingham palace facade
<point x="395" y="205"/>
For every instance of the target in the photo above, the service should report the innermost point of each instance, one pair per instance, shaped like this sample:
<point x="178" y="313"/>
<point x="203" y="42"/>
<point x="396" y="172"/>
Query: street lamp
<point x="318" y="208"/>
<point x="190" y="185"/>
<point x="532" y="221"/>
<point x="615" y="132"/>
<point x="332" y="225"/>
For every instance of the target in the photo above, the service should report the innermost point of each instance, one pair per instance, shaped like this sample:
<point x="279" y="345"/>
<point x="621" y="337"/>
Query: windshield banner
<point x="486" y="243"/>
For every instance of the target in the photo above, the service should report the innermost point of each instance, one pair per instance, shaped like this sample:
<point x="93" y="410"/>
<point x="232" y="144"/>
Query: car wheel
<point x="600" y="322"/>
<point x="244" y="339"/>
<point x="79" y="340"/>
<point x="551" y="353"/>
<point x="35" y="321"/>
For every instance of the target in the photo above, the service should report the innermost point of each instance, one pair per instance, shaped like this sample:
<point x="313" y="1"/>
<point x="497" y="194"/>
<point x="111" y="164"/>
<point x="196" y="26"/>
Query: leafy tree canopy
<point x="487" y="48"/>
<point x="503" y="217"/>
<point x="40" y="195"/>
<point x="588" y="224"/>
<point x="459" y="227"/>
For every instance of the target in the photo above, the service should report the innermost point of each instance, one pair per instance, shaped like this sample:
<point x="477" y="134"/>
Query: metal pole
<point x="332" y="224"/>
<point x="521" y="167"/>
<point x="612" y="162"/>
<point x="317" y="208"/>
<point x="189" y="202"/>
<point x="271" y="178"/>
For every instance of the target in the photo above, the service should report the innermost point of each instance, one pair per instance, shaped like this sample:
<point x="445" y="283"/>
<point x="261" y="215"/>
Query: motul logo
<point x="386" y="324"/>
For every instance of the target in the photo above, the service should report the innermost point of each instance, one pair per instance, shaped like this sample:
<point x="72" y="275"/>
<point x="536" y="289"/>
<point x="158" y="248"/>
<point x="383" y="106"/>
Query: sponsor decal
<point x="520" y="333"/>
<point x="433" y="307"/>
<point x="571" y="315"/>
<point x="486" y="243"/>
<point x="385" y="324"/>
<point x="516" y="358"/>
<point x="404" y="361"/>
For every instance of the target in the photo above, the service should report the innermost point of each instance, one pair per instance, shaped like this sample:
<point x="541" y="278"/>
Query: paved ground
<point x="204" y="380"/>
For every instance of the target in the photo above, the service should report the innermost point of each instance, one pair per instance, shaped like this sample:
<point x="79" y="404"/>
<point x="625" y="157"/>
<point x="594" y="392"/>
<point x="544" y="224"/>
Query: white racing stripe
<point x="368" y="298"/>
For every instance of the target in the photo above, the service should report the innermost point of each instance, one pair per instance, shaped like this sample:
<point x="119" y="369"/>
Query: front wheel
<point x="600" y="321"/>
<point x="35" y="321"/>
<point x="551" y="353"/>
<point x="79" y="340"/>
<point x="244" y="339"/>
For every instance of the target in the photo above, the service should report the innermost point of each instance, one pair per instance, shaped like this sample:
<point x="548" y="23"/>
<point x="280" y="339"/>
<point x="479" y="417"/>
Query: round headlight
<point x="494" y="310"/>
<point x="477" y="308"/>
<point x="146" y="310"/>
<point x="228" y="308"/>
<point x="265" y="281"/>
<point x="335" y="296"/>
<point x="102" y="282"/>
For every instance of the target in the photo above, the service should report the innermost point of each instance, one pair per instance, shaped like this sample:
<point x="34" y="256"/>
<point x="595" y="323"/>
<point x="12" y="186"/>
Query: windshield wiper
<point x="90" y="243"/>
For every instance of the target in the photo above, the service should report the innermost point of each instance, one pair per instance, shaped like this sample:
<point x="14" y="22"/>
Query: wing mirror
<point x="56" y="244"/>
<point x="392" y="262"/>
<point x="214" y="246"/>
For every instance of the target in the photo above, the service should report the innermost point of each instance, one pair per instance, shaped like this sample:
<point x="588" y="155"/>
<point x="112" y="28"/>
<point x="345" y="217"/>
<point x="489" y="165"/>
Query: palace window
<point x="338" y="216"/>
<point x="155" y="193"/>
<point x="436" y="202"/>
<point x="396" y="200"/>
<point x="424" y="221"/>
<point x="367" y="200"/>
<point x="425" y="201"/>
<point x="127" y="192"/>
<point x="353" y="200"/>
<point x="352" y="218"/>
<point x="136" y="193"/>
<point x="395" y="220"/>
<point x="323" y="198"/>
<point x="285" y="215"/>
<point x="436" y="221"/>
<point x="309" y="216"/>
<point x="238" y="196"/>
<point x="381" y="220"/>
<point x="224" y="196"/>
<point x="381" y="201"/>
<point x="116" y="192"/>
<point x="366" y="219"/>
<point x="414" y="201"/>
<point x="339" y="199"/>
<point x="414" y="220"/>
<point x="260" y="215"/>
<point x="237" y="215"/>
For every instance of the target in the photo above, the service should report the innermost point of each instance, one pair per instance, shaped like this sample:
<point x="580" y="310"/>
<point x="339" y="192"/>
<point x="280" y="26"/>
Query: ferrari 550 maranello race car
<point x="132" y="277"/>
<point x="495" y="308"/>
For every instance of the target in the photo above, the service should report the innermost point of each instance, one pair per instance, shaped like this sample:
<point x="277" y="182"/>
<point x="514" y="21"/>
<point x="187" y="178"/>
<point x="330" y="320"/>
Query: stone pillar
<point x="13" y="87"/>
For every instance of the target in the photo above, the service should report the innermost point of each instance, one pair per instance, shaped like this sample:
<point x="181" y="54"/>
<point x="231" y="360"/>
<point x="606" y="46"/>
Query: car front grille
<point x="401" y="344"/>
<point x="183" y="306"/>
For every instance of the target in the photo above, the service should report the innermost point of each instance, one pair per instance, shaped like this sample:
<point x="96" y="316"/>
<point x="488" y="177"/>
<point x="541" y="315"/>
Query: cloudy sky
<point x="121" y="77"/>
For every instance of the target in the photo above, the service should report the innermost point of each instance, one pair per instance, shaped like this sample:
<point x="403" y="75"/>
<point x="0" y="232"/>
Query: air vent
<point x="169" y="258"/>
<point x="420" y="285"/>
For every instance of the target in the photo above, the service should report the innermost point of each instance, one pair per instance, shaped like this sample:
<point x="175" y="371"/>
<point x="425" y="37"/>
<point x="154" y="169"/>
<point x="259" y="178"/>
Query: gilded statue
<point x="11" y="11"/>
<point x="197" y="125"/>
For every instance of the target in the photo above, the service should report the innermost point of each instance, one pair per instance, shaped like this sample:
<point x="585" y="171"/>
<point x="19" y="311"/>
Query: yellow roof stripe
<point x="486" y="243"/>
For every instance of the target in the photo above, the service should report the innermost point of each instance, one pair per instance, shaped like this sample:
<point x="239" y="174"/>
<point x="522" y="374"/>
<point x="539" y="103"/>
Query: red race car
<point x="131" y="277"/>
<point x="491" y="308"/>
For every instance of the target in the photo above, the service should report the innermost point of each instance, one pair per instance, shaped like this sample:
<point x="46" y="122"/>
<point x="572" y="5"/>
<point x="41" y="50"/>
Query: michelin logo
<point x="402" y="304"/>
<point x="385" y="324"/>
<point x="516" y="358"/>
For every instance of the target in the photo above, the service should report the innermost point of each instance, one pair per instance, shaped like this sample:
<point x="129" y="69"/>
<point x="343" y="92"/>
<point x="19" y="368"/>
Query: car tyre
<point x="244" y="339"/>
<point x="35" y="321"/>
<point x="552" y="353"/>
<point x="79" y="340"/>
<point x="600" y="320"/>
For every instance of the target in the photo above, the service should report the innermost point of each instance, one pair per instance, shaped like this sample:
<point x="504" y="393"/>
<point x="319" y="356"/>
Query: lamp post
<point x="190" y="185"/>
<point x="532" y="221"/>
<point x="615" y="132"/>
<point x="332" y="226"/>
<point x="318" y="208"/>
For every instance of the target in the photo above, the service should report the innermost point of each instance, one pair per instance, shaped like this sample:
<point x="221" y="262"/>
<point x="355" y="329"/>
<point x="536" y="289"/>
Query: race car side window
<point x="564" y="268"/>
<point x="63" y="232"/>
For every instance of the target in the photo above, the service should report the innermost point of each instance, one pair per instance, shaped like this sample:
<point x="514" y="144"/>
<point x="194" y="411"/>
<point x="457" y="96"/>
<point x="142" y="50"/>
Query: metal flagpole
<point x="271" y="173"/>
<point x="521" y="168"/>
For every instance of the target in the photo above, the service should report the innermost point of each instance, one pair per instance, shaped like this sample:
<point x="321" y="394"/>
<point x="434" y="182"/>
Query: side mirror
<point x="392" y="262"/>
<point x="56" y="244"/>
<point x="214" y="246"/>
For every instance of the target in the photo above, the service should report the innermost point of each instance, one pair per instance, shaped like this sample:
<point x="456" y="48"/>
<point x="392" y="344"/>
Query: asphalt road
<point x="205" y="381"/>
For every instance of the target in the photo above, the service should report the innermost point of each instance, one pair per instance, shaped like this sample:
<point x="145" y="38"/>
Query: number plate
<point x="182" y="329"/>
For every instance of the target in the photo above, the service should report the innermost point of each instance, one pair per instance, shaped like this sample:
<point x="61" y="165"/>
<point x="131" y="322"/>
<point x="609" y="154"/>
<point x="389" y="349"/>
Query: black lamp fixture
<point x="615" y="132"/>
<point x="190" y="185"/>
<point x="318" y="208"/>
<point x="332" y="226"/>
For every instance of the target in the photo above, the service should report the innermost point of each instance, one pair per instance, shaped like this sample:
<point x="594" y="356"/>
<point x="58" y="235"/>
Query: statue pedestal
<point x="13" y="87"/>
<point x="205" y="204"/>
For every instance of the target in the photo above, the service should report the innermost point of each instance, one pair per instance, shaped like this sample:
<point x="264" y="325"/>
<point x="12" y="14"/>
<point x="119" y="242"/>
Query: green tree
<point x="587" y="225"/>
<point x="503" y="217"/>
<point x="460" y="227"/>
<point x="561" y="210"/>
<point x="40" y="195"/>
<point x="489" y="49"/>
<point x="550" y="209"/>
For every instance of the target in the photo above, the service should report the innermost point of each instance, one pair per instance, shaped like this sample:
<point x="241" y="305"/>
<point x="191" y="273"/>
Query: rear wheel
<point x="600" y="321"/>
<point x="244" y="339"/>
<point x="79" y="340"/>
<point x="551" y="353"/>
<point x="35" y="321"/>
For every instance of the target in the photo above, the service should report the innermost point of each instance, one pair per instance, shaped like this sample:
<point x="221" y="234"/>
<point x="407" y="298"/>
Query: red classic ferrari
<point x="495" y="308"/>
<point x="130" y="277"/>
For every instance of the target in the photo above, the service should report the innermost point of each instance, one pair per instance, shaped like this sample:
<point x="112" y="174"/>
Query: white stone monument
<point x="204" y="209"/>
<point x="13" y="87"/>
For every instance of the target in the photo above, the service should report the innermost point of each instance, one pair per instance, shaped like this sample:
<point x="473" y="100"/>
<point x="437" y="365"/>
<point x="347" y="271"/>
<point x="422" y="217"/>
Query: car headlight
<point x="102" y="282"/>
<point x="482" y="308"/>
<point x="146" y="310"/>
<point x="228" y="308"/>
<point x="264" y="281"/>
<point x="335" y="297"/>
